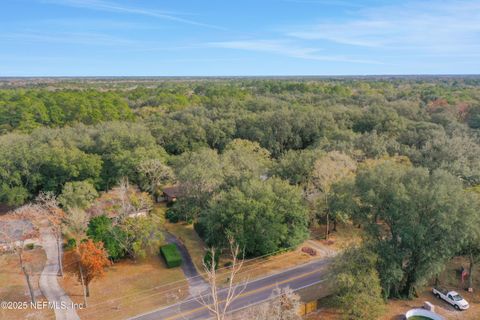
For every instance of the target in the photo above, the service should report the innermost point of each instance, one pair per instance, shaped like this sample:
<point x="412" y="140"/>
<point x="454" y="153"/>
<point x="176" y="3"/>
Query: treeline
<point x="439" y="100"/>
<point x="431" y="123"/>
<point x="25" y="110"/>
<point x="48" y="158"/>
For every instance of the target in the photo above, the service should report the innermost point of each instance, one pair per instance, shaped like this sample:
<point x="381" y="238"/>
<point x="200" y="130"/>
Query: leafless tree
<point x="48" y="205"/>
<point x="15" y="229"/>
<point x="283" y="304"/>
<point x="125" y="203"/>
<point x="76" y="222"/>
<point x="219" y="299"/>
<point x="132" y="203"/>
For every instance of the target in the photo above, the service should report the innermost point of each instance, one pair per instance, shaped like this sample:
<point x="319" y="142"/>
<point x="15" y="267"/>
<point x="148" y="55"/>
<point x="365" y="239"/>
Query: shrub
<point x="200" y="229"/>
<point x="71" y="243"/>
<point x="172" y="215"/>
<point x="30" y="246"/>
<point x="101" y="229"/>
<point x="171" y="255"/>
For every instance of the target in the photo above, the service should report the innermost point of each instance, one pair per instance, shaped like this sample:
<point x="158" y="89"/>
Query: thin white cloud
<point x="285" y="48"/>
<point x="92" y="39"/>
<point x="434" y="27"/>
<point x="336" y="3"/>
<point x="91" y="24"/>
<point x="99" y="5"/>
<point x="80" y="38"/>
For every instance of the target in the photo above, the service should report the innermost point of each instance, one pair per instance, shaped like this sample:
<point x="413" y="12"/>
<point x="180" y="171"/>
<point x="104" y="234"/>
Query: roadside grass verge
<point x="252" y="268"/>
<point x="264" y="266"/>
<point x="128" y="288"/>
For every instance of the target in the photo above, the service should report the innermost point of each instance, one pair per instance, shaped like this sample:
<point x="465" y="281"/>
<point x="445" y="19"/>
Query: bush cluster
<point x="171" y="255"/>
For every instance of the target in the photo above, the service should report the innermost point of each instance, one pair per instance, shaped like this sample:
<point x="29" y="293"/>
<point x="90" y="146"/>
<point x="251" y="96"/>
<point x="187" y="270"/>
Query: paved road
<point x="196" y="283"/>
<point x="48" y="279"/>
<point x="256" y="291"/>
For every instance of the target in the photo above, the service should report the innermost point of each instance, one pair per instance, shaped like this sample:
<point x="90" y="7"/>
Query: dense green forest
<point x="261" y="160"/>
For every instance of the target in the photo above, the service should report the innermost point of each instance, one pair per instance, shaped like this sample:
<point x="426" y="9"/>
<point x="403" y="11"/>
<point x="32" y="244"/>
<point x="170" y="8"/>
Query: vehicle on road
<point x="452" y="297"/>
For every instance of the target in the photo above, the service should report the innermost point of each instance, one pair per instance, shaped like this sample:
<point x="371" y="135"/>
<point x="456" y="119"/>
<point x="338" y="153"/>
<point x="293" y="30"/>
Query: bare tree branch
<point x="48" y="205"/>
<point x="219" y="299"/>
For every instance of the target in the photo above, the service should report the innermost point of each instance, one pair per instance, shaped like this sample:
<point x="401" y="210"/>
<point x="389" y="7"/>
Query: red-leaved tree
<point x="93" y="260"/>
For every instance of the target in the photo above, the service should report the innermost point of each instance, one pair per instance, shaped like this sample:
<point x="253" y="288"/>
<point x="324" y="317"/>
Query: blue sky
<point x="238" y="37"/>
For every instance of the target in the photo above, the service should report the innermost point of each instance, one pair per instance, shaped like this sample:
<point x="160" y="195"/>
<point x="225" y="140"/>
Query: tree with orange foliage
<point x="93" y="260"/>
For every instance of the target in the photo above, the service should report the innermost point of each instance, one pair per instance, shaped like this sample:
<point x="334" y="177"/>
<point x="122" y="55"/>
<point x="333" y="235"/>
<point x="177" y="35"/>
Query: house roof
<point x="171" y="192"/>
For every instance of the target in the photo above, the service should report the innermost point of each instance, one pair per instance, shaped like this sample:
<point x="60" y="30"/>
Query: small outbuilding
<point x="170" y="194"/>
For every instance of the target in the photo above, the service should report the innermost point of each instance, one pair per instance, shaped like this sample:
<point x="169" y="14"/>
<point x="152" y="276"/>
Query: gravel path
<point x="48" y="279"/>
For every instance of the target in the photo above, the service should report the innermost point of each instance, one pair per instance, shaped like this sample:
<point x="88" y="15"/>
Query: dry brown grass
<point x="264" y="266"/>
<point x="13" y="286"/>
<point x="128" y="288"/>
<point x="253" y="268"/>
<point x="346" y="236"/>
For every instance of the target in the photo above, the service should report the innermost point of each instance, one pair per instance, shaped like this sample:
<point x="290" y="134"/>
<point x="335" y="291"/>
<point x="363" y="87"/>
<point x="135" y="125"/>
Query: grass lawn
<point x="128" y="288"/>
<point x="158" y="211"/>
<point x="13" y="286"/>
<point x="190" y="239"/>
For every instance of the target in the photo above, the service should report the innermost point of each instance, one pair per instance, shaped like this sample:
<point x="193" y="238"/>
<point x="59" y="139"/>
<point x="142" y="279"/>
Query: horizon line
<point x="238" y="76"/>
